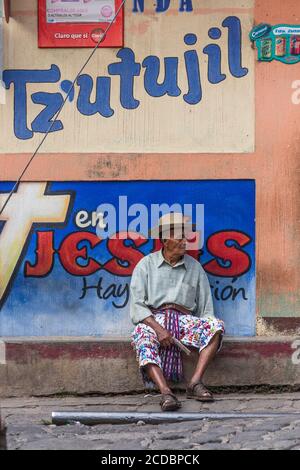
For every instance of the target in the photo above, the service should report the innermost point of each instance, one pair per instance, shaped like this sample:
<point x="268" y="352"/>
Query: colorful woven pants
<point x="193" y="331"/>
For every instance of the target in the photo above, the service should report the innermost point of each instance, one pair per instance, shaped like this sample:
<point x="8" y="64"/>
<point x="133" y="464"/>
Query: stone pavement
<point x="28" y="424"/>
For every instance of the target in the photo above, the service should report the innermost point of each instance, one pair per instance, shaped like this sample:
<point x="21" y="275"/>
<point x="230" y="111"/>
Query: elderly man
<point x="171" y="298"/>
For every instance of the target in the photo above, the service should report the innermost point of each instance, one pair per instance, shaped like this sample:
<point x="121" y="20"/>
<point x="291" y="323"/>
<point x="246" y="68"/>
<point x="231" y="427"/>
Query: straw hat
<point x="174" y="220"/>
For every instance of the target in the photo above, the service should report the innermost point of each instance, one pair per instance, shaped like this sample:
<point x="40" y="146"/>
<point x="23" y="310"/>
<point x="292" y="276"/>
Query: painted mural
<point x="189" y="60"/>
<point x="60" y="277"/>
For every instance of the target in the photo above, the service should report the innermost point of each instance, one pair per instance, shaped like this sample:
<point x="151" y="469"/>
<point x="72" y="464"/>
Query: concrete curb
<point x="45" y="366"/>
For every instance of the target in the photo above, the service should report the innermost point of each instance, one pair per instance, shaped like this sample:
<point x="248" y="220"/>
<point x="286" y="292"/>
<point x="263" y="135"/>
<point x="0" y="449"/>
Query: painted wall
<point x="273" y="164"/>
<point x="202" y="77"/>
<point x="60" y="278"/>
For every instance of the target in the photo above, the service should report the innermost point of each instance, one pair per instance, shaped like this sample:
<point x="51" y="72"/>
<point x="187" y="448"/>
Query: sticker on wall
<point x="280" y="42"/>
<point x="79" y="23"/>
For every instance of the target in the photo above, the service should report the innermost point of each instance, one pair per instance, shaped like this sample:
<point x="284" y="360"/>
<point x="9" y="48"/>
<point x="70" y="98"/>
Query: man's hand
<point x="164" y="336"/>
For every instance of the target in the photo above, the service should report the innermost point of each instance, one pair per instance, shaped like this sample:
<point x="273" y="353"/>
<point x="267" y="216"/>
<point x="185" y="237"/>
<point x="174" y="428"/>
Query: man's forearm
<point x="150" y="321"/>
<point x="163" y="335"/>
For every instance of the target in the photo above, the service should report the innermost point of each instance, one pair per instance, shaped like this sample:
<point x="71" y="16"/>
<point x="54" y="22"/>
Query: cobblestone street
<point x="29" y="425"/>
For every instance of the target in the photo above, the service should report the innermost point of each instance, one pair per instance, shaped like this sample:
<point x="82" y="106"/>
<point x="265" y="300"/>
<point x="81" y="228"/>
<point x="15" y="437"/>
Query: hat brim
<point x="160" y="230"/>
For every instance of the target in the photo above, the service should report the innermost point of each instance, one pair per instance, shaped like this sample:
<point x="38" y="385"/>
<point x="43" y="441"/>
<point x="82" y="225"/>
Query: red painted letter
<point x="69" y="252"/>
<point x="44" y="256"/>
<point x="239" y="261"/>
<point x="124" y="253"/>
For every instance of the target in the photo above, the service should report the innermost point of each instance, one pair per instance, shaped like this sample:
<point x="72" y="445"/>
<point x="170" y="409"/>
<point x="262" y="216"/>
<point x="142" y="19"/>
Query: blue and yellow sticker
<point x="280" y="42"/>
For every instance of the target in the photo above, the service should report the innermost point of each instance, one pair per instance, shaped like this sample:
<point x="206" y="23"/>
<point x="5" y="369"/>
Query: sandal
<point x="199" y="392"/>
<point x="169" y="402"/>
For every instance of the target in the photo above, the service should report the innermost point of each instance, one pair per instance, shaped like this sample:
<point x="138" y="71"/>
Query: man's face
<point x="176" y="242"/>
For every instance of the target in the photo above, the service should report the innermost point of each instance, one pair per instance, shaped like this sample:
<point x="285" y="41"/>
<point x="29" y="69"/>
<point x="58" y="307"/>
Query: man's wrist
<point x="150" y="321"/>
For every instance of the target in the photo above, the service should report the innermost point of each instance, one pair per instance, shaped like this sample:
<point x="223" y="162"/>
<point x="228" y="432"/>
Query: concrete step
<point x="47" y="366"/>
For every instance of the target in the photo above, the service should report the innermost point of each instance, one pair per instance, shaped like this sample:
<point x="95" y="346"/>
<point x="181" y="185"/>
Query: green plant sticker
<point x="280" y="42"/>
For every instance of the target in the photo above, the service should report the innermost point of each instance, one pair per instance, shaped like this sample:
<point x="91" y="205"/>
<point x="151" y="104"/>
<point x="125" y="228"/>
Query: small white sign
<point x="286" y="30"/>
<point x="80" y="11"/>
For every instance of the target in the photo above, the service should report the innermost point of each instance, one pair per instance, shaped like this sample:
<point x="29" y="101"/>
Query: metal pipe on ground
<point x="124" y="417"/>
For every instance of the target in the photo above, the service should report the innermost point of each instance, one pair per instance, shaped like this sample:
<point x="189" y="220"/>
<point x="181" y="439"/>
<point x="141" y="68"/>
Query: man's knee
<point x="139" y="328"/>
<point x="143" y="334"/>
<point x="216" y="325"/>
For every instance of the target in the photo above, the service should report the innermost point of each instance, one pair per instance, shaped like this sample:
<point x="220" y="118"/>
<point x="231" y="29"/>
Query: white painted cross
<point x="27" y="206"/>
